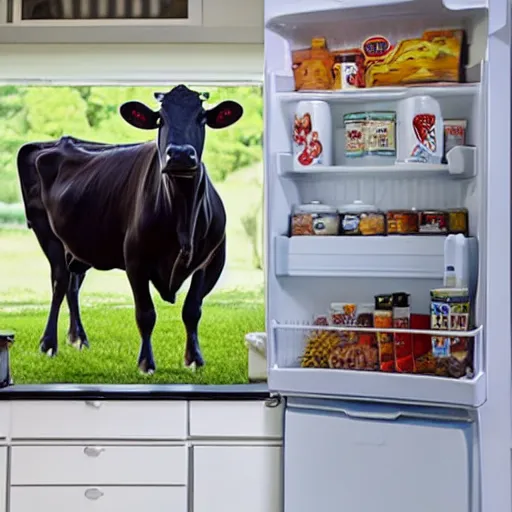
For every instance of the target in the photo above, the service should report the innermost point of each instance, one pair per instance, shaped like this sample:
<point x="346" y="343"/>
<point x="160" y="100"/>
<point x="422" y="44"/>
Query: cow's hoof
<point x="78" y="342"/>
<point x="48" y="347"/>
<point x="194" y="360"/>
<point x="147" y="367"/>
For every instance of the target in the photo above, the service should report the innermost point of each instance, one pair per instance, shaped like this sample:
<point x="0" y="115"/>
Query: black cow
<point x="149" y="209"/>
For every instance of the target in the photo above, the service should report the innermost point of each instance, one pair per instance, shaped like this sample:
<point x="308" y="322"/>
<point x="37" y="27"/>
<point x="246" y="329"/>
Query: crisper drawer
<point x="236" y="419"/>
<point x="99" y="420"/>
<point x="363" y="456"/>
<point x="99" y="465"/>
<point x="98" y="499"/>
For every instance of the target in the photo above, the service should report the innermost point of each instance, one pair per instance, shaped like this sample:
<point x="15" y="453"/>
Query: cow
<point x="149" y="209"/>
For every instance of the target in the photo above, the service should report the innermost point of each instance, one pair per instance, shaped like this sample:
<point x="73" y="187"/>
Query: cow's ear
<point x="224" y="114"/>
<point x="139" y="115"/>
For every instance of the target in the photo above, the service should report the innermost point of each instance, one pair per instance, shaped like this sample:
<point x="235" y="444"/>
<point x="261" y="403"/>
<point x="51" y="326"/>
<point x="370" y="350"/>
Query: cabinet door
<point x="3" y="478"/>
<point x="236" y="478"/>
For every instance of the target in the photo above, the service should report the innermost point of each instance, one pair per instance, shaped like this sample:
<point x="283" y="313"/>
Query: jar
<point x="349" y="68"/>
<point x="314" y="218"/>
<point x="362" y="219"/>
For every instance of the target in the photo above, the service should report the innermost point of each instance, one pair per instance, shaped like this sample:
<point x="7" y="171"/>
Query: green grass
<point x="235" y="307"/>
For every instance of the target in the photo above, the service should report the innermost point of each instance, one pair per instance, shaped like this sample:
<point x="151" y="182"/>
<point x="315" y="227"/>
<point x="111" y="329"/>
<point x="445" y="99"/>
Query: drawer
<point x="99" y="420"/>
<point x="99" y="465"/>
<point x="98" y="499"/>
<point x="5" y="419"/>
<point x="235" y="419"/>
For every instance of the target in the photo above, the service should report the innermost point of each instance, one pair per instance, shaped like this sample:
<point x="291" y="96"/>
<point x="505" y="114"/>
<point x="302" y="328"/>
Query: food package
<point x="402" y="342"/>
<point x="438" y="56"/>
<point x="312" y="68"/>
<point x="445" y="356"/>
<point x="356" y="350"/>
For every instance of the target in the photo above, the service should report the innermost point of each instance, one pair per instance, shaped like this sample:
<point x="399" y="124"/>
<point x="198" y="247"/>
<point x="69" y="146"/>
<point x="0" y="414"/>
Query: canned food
<point x="433" y="222"/>
<point x="380" y="134"/>
<point x="402" y="222"/>
<point x="355" y="134"/>
<point x="458" y="221"/>
<point x="313" y="219"/>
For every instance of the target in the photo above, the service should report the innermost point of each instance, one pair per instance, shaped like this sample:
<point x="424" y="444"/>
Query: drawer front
<point x="5" y="419"/>
<point x="99" y="465"/>
<point x="99" y="420"/>
<point x="98" y="499"/>
<point x="235" y="419"/>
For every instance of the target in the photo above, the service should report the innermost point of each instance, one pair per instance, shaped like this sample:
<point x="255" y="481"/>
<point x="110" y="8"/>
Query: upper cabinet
<point x="129" y="21"/>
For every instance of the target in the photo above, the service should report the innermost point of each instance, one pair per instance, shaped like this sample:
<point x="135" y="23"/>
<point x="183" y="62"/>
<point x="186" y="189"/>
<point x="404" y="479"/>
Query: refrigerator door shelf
<point x="286" y="16"/>
<point x="461" y="165"/>
<point x="288" y="378"/>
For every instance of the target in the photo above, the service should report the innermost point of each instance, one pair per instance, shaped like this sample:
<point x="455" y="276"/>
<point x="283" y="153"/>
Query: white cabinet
<point x="237" y="478"/>
<point x="99" y="465"/>
<point x="3" y="478"/>
<point x="99" y="499"/>
<point x="234" y="419"/>
<point x="99" y="420"/>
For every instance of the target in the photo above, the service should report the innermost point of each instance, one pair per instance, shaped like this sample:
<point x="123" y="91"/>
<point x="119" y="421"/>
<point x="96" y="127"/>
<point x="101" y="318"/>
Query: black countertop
<point x="135" y="392"/>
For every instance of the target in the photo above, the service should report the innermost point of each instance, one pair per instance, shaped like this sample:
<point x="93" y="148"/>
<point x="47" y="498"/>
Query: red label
<point x="376" y="47"/>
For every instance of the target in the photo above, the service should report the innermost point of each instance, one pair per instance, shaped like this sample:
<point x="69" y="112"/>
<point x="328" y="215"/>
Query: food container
<point x="314" y="219"/>
<point x="357" y="350"/>
<point x="402" y="222"/>
<point x="362" y="219"/>
<point x="348" y="69"/>
<point x="312" y="134"/>
<point x="383" y="318"/>
<point x="355" y="134"/>
<point x="6" y="341"/>
<point x="312" y="67"/>
<point x="458" y="221"/>
<point x="449" y="311"/>
<point x="256" y="343"/>
<point x="381" y="134"/>
<point x="420" y="132"/>
<point x="454" y="133"/>
<point x="433" y="222"/>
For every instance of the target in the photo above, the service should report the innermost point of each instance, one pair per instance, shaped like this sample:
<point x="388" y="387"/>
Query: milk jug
<point x="420" y="131"/>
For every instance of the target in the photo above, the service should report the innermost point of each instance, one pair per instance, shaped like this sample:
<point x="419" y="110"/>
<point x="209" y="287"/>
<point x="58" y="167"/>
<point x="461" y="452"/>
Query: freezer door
<point x="367" y="460"/>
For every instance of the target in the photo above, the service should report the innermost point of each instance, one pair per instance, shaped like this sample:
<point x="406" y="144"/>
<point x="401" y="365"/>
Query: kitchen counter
<point x="236" y="392"/>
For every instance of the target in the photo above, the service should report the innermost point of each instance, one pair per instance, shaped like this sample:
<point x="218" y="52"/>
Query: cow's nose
<point x="184" y="156"/>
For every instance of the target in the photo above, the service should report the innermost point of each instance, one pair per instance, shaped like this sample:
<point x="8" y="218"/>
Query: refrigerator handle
<point x="368" y="415"/>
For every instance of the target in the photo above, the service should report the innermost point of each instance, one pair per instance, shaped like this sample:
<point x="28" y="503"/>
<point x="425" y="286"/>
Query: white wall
<point x="133" y="63"/>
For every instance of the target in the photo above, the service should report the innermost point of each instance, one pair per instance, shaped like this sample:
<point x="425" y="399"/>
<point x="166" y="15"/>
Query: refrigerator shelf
<point x="406" y="256"/>
<point x="461" y="165"/>
<point x="377" y="94"/>
<point x="288" y="342"/>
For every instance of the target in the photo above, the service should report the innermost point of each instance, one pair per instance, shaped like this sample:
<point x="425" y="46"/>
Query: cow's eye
<point x="201" y="118"/>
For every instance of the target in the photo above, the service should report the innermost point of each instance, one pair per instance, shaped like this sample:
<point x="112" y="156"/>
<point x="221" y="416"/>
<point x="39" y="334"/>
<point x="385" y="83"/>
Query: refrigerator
<point x="398" y="437"/>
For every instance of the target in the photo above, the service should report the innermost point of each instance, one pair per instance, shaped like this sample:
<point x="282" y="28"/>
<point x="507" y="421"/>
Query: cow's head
<point x="181" y="124"/>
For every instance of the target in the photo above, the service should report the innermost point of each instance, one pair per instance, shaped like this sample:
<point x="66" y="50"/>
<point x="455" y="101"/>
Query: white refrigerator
<point x="405" y="440"/>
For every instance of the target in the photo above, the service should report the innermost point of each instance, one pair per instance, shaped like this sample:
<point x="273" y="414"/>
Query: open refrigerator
<point x="403" y="438"/>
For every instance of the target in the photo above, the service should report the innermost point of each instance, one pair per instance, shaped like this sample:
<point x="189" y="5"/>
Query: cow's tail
<point x="29" y="179"/>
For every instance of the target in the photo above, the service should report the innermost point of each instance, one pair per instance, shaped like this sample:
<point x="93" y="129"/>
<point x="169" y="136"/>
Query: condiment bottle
<point x="404" y="360"/>
<point x="383" y="317"/>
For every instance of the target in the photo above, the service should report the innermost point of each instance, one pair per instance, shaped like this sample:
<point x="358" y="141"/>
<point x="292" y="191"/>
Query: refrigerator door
<point x="369" y="457"/>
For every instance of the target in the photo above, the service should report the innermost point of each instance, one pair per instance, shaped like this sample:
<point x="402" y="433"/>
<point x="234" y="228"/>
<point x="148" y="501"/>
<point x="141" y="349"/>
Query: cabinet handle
<point x="93" y="403"/>
<point x="93" y="494"/>
<point x="93" y="451"/>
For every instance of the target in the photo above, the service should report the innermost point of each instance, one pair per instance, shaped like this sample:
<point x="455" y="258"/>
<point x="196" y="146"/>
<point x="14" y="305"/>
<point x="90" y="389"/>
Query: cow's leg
<point x="76" y="334"/>
<point x="145" y="316"/>
<point x="60" y="282"/>
<point x="201" y="285"/>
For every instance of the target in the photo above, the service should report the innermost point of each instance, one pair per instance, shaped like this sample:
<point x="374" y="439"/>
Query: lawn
<point x="235" y="307"/>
